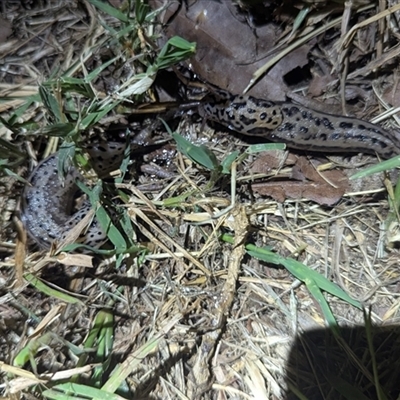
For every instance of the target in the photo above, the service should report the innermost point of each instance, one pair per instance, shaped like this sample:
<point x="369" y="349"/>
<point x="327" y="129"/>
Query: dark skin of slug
<point x="298" y="126"/>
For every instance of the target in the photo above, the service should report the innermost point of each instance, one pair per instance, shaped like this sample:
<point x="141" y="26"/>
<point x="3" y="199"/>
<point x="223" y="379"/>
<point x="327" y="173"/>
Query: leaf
<point x="198" y="154"/>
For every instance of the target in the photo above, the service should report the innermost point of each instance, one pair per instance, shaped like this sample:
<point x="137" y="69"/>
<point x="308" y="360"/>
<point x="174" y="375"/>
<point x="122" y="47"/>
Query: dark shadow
<point x="322" y="366"/>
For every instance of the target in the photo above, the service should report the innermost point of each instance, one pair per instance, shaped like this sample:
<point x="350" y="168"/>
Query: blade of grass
<point x="47" y="290"/>
<point x="382" y="166"/>
<point x="133" y="360"/>
<point x="76" y="391"/>
<point x="105" y="7"/>
<point x="102" y="215"/>
<point x="31" y="348"/>
<point x="300" y="271"/>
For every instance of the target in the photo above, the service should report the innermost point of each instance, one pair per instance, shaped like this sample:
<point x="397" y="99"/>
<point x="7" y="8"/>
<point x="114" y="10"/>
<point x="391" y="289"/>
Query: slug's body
<point x="299" y="127"/>
<point x="48" y="203"/>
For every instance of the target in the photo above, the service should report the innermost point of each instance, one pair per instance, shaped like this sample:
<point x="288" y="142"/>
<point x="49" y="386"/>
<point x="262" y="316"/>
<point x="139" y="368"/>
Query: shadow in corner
<point x="322" y="366"/>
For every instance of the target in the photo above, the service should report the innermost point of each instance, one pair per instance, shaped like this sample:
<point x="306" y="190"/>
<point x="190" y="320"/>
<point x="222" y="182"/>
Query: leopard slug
<point x="47" y="202"/>
<point x="299" y="127"/>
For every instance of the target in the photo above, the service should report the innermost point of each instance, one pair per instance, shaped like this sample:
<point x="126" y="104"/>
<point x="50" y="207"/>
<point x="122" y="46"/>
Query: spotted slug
<point x="47" y="202"/>
<point x="297" y="126"/>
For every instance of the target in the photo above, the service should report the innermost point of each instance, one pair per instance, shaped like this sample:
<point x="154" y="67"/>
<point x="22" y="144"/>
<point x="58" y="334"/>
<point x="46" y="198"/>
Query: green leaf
<point x="315" y="291"/>
<point x="258" y="148"/>
<point x="142" y="83"/>
<point x="96" y="112"/>
<point x="19" y="112"/>
<point x="67" y="84"/>
<point x="10" y="173"/>
<point x="302" y="272"/>
<point x="101" y="337"/>
<point x="141" y="11"/>
<point x="198" y="154"/>
<point x="130" y="250"/>
<point x="96" y="72"/>
<point x="301" y="16"/>
<point x="61" y="129"/>
<point x="66" y="154"/>
<point x="175" y="50"/>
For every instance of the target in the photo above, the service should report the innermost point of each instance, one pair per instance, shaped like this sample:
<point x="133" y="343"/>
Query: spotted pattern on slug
<point x="243" y="114"/>
<point x="297" y="126"/>
<point x="106" y="156"/>
<point x="47" y="203"/>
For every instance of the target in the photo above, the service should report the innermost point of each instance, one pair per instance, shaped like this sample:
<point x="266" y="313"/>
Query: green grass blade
<point x="302" y="272"/>
<point x="30" y="349"/>
<point x="20" y="111"/>
<point x="75" y="391"/>
<point x="298" y="270"/>
<point x="51" y="104"/>
<point x="258" y="148"/>
<point x="123" y="370"/>
<point x="175" y="50"/>
<point x="382" y="166"/>
<point x="326" y="310"/>
<point x="102" y="215"/>
<point x="106" y="8"/>
<point x="47" y="290"/>
<point x="226" y="164"/>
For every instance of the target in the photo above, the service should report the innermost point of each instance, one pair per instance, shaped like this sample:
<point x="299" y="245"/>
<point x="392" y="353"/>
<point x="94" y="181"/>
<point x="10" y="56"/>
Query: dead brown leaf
<point x="325" y="188"/>
<point x="318" y="84"/>
<point x="229" y="50"/>
<point x="270" y="160"/>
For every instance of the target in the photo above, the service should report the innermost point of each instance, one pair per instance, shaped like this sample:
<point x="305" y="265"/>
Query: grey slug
<point x="297" y="126"/>
<point x="47" y="202"/>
